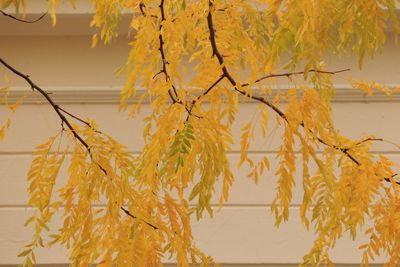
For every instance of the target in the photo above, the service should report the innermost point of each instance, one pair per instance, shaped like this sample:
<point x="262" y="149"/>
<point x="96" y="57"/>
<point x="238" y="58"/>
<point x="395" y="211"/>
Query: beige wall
<point x="242" y="232"/>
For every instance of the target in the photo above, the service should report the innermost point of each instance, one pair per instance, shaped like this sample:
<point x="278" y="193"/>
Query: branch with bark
<point x="22" y="20"/>
<point x="60" y="113"/>
<point x="56" y="107"/>
<point x="175" y="97"/>
<point x="226" y="74"/>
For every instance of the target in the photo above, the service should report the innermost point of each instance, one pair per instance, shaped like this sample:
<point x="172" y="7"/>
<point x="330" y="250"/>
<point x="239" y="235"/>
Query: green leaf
<point x="184" y="150"/>
<point x="187" y="143"/>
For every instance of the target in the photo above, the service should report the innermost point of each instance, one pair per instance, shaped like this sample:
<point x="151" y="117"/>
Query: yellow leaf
<point x="24" y="253"/>
<point x="94" y="40"/>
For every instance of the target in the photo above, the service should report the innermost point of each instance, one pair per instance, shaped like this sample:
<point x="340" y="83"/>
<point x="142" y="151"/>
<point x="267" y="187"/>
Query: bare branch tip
<point x="23" y="20"/>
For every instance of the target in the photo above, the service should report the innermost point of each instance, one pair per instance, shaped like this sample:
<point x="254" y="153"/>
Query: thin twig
<point x="142" y="6"/>
<point x="388" y="179"/>
<point x="23" y="20"/>
<point x="377" y="139"/>
<point x="212" y="86"/>
<point x="73" y="116"/>
<point x="289" y="74"/>
<point x="127" y="212"/>
<point x="189" y="110"/>
<point x="367" y="140"/>
<point x="79" y="119"/>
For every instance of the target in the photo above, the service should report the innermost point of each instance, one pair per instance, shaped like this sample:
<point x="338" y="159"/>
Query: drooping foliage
<point x="236" y="49"/>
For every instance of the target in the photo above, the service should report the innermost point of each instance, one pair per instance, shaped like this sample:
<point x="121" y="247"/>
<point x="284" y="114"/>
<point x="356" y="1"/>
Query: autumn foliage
<point x="235" y="48"/>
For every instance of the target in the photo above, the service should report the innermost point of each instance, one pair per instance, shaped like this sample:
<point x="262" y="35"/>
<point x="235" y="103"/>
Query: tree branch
<point x="23" y="20"/>
<point x="367" y="140"/>
<point x="174" y="96"/>
<point x="289" y="74"/>
<point x="226" y="74"/>
<point x="388" y="179"/>
<point x="260" y="99"/>
<point x="205" y="93"/>
<point x="175" y="99"/>
<point x="64" y="120"/>
<point x="79" y="119"/>
<point x="215" y="51"/>
<point x="127" y="212"/>
<point x="50" y="101"/>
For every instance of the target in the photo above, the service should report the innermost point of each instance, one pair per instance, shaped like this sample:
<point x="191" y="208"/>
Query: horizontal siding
<point x="235" y="235"/>
<point x="40" y="57"/>
<point x="354" y="120"/>
<point x="244" y="192"/>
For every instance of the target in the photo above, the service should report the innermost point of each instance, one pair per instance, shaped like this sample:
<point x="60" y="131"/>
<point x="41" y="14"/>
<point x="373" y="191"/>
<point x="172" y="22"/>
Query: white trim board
<point x="111" y="95"/>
